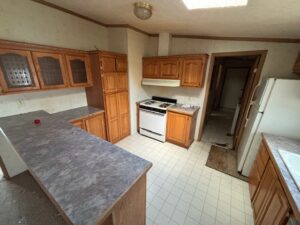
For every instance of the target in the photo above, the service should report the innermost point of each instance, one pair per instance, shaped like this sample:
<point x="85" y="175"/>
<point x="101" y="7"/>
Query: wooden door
<point x="109" y="82"/>
<point x="112" y="113"/>
<point x="277" y="207"/>
<point x="51" y="69"/>
<point x="108" y="64"/>
<point x="17" y="72"/>
<point x="121" y="64"/>
<point x="79" y="70"/>
<point x="169" y="68"/>
<point x="193" y="72"/>
<point x="96" y="125"/>
<point x="122" y="82"/>
<point x="79" y="124"/>
<point x="250" y="87"/>
<point x="177" y="127"/>
<point x="151" y="68"/>
<point x="124" y="115"/>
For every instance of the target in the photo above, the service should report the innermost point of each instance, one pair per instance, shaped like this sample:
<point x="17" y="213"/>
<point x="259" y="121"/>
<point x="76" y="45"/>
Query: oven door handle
<point x="145" y="110"/>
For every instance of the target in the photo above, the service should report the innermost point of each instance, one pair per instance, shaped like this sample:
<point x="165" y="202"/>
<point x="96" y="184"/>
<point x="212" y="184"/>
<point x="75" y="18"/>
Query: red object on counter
<point x="37" y="121"/>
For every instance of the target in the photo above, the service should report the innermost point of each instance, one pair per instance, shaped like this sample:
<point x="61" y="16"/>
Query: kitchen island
<point x="89" y="180"/>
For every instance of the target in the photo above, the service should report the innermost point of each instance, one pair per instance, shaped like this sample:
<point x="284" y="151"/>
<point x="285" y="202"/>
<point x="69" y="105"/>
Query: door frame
<point x="261" y="53"/>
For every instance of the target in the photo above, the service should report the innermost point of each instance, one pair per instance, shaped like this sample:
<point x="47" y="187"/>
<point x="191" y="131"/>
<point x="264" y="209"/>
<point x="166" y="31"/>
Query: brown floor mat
<point x="224" y="160"/>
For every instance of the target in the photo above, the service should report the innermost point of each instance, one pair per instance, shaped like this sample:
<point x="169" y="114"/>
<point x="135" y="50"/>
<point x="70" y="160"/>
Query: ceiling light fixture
<point x="142" y="10"/>
<point x="205" y="4"/>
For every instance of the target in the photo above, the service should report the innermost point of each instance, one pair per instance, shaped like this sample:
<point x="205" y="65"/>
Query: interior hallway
<point x="218" y="127"/>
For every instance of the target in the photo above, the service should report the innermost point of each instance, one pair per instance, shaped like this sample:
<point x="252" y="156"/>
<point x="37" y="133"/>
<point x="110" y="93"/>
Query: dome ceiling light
<point x="142" y="10"/>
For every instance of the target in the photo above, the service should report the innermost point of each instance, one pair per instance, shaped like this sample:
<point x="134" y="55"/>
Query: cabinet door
<point x="297" y="65"/>
<point x="96" y="125"/>
<point x="263" y="192"/>
<point x="108" y="64"/>
<point x="254" y="179"/>
<point x="151" y="68"/>
<point x="112" y="113"/>
<point x="17" y="72"/>
<point x="79" y="70"/>
<point x="124" y="115"/>
<point x="79" y="124"/>
<point x="169" y="68"/>
<point x="277" y="207"/>
<point x="50" y="70"/>
<point x="122" y="82"/>
<point x="193" y="72"/>
<point x="177" y="127"/>
<point x="109" y="81"/>
<point x="121" y="64"/>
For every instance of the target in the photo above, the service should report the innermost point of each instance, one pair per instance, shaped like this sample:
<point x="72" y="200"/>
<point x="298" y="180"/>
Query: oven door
<point x="153" y="121"/>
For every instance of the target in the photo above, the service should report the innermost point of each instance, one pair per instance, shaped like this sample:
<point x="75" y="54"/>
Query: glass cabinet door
<point x="79" y="70"/>
<point x="17" y="72"/>
<point x="50" y="70"/>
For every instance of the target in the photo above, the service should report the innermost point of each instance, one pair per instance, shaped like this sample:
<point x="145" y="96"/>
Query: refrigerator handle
<point x="248" y="112"/>
<point x="253" y="93"/>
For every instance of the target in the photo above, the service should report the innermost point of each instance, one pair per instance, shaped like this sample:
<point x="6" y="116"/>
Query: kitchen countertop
<point x="73" y="114"/>
<point x="180" y="109"/>
<point x="275" y="143"/>
<point x="83" y="174"/>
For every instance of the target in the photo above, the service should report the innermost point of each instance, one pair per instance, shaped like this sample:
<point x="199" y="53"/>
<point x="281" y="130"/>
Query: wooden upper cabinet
<point x="170" y="68"/>
<point x="51" y="70"/>
<point x="193" y="71"/>
<point x="108" y="64"/>
<point x="297" y="65"/>
<point x="151" y="68"/>
<point x="79" y="70"/>
<point x="17" y="72"/>
<point x="121" y="64"/>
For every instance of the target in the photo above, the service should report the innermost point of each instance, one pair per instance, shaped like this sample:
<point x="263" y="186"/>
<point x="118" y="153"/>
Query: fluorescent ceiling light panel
<point x="206" y="4"/>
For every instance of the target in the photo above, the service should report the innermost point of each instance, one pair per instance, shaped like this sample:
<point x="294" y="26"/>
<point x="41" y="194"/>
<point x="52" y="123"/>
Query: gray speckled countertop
<point x="73" y="114"/>
<point x="185" y="110"/>
<point x="275" y="143"/>
<point x="85" y="175"/>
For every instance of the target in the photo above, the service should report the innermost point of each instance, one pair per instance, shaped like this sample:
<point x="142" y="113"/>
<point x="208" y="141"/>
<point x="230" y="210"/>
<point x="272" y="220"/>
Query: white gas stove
<point x="153" y="117"/>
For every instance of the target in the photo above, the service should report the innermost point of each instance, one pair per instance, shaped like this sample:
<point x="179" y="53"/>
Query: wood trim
<point x="262" y="53"/>
<point x="223" y="38"/>
<point x="4" y="170"/>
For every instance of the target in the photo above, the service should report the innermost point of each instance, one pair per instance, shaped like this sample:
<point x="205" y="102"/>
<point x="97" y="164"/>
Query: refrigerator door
<point x="263" y="93"/>
<point x="280" y="117"/>
<point x="248" y="135"/>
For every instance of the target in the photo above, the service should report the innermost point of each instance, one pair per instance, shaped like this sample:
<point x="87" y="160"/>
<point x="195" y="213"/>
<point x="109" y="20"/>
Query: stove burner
<point x="149" y="102"/>
<point x="165" y="105"/>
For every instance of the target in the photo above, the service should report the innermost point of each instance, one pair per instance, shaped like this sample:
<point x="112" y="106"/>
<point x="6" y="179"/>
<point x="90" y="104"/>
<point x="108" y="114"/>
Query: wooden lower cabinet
<point x="181" y="128"/>
<point x="94" y="124"/>
<point x="269" y="202"/>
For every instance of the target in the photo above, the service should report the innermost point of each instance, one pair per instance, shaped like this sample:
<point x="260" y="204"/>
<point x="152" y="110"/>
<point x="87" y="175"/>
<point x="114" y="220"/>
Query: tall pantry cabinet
<point x="110" y="92"/>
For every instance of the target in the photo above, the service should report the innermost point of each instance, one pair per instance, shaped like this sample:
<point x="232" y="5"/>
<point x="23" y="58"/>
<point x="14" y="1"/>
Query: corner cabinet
<point x="269" y="201"/>
<point x="79" y="70"/>
<point x="189" y="69"/>
<point x="17" y="72"/>
<point x="181" y="128"/>
<point x="110" y="91"/>
<point x="51" y="70"/>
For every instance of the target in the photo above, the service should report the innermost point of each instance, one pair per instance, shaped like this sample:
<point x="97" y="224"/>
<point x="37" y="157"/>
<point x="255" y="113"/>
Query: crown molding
<point x="224" y="38"/>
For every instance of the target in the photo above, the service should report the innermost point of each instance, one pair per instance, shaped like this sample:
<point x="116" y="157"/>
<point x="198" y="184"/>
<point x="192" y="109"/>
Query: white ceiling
<point x="261" y="18"/>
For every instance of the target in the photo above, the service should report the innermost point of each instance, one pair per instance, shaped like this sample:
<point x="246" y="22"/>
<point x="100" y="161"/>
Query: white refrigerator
<point x="276" y="110"/>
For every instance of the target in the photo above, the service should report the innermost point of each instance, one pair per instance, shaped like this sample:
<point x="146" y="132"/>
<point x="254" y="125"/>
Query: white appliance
<point x="153" y="117"/>
<point x="276" y="110"/>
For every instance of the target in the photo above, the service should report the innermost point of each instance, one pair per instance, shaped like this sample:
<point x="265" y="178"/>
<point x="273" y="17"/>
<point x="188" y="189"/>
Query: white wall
<point x="279" y="62"/>
<point x="233" y="87"/>
<point x="27" y="21"/>
<point x="118" y="40"/>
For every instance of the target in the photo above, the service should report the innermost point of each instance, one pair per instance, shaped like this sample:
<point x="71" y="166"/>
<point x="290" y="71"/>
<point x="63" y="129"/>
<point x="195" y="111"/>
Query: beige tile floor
<point x="181" y="190"/>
